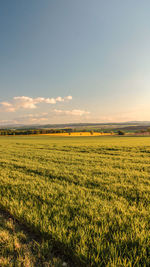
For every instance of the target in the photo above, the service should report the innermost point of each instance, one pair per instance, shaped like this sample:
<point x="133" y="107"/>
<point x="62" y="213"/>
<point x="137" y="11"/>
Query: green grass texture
<point x="86" y="197"/>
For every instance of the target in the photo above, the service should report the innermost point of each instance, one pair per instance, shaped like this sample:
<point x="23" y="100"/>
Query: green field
<point x="87" y="198"/>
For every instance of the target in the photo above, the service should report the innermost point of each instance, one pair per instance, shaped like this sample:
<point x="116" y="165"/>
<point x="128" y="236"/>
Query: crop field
<point x="78" y="134"/>
<point x="86" y="198"/>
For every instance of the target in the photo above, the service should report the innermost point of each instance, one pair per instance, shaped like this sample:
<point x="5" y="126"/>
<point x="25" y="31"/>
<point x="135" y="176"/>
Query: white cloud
<point x="28" y="119"/>
<point x="60" y="99"/>
<point x="69" y="97"/>
<point x="25" y="102"/>
<point x="6" y="122"/>
<point x="74" y="112"/>
<point x="7" y="106"/>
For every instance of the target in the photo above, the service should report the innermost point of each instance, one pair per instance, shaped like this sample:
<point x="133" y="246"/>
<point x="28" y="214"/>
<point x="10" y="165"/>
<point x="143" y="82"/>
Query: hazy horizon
<point x="74" y="61"/>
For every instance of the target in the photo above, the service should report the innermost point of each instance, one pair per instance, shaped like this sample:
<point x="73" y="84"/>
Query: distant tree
<point x="148" y="129"/>
<point x="142" y="131"/>
<point x="92" y="132"/>
<point x="120" y="132"/>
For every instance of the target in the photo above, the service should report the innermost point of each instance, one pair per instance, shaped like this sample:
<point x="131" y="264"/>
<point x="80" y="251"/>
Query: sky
<point x="66" y="61"/>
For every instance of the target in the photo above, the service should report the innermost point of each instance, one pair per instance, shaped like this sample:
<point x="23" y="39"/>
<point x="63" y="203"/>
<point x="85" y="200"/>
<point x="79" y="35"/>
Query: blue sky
<point x="65" y="61"/>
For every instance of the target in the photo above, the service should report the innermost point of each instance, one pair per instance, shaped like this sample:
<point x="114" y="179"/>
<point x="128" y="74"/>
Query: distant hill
<point x="128" y="126"/>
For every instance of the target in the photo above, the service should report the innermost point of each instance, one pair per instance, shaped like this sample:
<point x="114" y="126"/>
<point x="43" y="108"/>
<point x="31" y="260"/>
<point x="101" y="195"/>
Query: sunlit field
<point x="79" y="134"/>
<point x="86" y="198"/>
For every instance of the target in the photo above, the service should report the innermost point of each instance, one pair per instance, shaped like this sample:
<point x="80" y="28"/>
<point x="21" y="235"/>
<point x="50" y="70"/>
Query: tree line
<point x="33" y="131"/>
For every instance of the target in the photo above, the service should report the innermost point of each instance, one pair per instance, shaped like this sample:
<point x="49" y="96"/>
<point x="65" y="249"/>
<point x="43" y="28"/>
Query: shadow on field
<point x="42" y="172"/>
<point x="53" y="248"/>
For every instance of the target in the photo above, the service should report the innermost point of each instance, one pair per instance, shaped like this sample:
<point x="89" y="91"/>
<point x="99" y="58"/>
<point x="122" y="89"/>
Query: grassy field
<point x="86" y="198"/>
<point x="19" y="248"/>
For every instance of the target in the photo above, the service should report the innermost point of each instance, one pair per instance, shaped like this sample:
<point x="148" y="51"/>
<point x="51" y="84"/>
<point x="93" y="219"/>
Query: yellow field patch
<point x="77" y="134"/>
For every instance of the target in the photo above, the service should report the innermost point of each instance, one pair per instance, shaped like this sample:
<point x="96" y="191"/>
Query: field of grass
<point x="21" y="248"/>
<point x="86" y="198"/>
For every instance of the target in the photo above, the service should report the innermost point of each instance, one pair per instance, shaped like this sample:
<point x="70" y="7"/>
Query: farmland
<point x="86" y="198"/>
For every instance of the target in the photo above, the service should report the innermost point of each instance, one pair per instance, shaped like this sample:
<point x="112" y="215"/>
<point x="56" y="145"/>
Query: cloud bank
<point x="25" y="102"/>
<point x="28" y="110"/>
